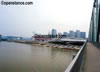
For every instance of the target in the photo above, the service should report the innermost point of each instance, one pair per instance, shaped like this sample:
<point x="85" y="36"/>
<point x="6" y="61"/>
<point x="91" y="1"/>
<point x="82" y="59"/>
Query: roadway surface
<point x="92" y="58"/>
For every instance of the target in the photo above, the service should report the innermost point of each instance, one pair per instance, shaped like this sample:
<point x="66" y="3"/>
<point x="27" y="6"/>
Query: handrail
<point x="70" y="67"/>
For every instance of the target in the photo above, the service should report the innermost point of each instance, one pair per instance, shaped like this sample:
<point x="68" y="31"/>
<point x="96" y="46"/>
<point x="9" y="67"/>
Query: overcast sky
<point x="43" y="15"/>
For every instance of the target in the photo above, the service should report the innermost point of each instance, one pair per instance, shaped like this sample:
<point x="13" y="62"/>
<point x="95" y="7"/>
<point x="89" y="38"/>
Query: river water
<point x="17" y="57"/>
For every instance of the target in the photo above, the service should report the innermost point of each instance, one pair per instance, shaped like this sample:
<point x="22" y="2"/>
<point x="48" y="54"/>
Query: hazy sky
<point x="43" y="15"/>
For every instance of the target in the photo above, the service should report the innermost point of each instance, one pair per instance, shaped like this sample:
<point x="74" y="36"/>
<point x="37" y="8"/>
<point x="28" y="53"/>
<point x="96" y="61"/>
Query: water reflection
<point x="16" y="57"/>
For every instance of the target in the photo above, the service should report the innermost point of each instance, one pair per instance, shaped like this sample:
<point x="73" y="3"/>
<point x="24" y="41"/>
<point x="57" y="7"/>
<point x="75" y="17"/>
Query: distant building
<point x="0" y="37"/>
<point x="54" y="33"/>
<point x="65" y="34"/>
<point x="77" y="34"/>
<point x="83" y="35"/>
<point x="68" y="34"/>
<point x="72" y="34"/>
<point x="12" y="38"/>
<point x="59" y="35"/>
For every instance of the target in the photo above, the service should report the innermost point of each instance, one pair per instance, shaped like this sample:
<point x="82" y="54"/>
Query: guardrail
<point x="76" y="64"/>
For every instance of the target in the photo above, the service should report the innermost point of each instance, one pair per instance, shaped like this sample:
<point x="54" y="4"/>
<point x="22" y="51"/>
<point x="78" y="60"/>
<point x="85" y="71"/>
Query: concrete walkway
<point x="92" y="58"/>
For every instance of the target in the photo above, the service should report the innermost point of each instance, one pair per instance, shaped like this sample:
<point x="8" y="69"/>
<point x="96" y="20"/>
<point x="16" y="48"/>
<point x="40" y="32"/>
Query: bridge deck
<point x="92" y="58"/>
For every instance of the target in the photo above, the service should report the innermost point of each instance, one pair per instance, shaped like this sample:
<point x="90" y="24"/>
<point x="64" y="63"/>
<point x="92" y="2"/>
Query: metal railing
<point x="76" y="64"/>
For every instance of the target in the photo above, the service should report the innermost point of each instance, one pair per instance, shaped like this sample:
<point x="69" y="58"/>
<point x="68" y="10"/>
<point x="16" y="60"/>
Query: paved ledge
<point x="92" y="58"/>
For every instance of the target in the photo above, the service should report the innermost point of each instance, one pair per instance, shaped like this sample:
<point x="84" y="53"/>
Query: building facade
<point x="77" y="34"/>
<point x="54" y="33"/>
<point x="72" y="34"/>
<point x="83" y="35"/>
<point x="0" y="37"/>
<point x="65" y="34"/>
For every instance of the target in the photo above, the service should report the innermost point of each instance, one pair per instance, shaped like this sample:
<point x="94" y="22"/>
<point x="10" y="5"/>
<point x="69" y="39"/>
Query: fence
<point x="76" y="64"/>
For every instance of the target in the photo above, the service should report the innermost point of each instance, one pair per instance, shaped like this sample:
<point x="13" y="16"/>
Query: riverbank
<point x="47" y="44"/>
